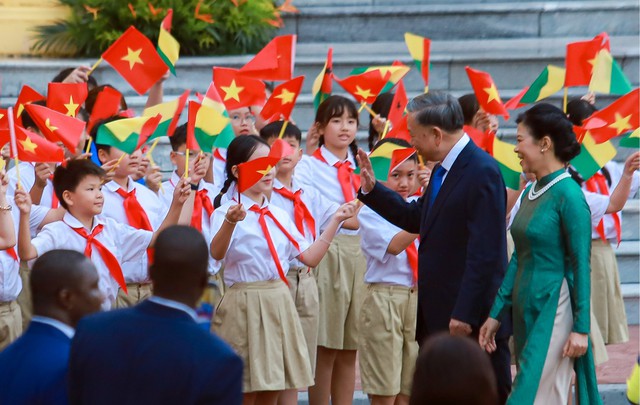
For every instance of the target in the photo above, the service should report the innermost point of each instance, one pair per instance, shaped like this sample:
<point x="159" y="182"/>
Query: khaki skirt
<point x="606" y="296"/>
<point x="340" y="277"/>
<point x="260" y="322"/>
<point x="304" y="291"/>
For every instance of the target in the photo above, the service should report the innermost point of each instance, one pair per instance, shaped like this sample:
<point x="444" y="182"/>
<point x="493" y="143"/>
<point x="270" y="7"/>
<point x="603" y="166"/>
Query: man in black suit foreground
<point x="155" y="352"/>
<point x="461" y="222"/>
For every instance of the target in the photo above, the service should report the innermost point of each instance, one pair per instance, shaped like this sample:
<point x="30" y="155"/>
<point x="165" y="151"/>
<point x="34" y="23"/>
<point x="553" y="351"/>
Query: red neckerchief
<point x="348" y="181"/>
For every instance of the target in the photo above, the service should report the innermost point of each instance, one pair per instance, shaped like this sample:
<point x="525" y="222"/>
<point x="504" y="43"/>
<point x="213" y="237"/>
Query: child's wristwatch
<point x="194" y="187"/>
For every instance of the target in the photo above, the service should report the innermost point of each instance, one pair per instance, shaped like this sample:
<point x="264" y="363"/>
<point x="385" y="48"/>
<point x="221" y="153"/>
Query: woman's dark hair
<point x="381" y="106"/>
<point x="547" y="120"/>
<point x="470" y="107"/>
<point x="453" y="370"/>
<point x="239" y="151"/>
<point x="335" y="106"/>
<point x="94" y="134"/>
<point x="578" y="110"/>
<point x="396" y="141"/>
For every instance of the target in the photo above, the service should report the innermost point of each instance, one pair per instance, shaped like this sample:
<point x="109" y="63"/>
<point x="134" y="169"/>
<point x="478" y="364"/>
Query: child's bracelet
<point x="231" y="222"/>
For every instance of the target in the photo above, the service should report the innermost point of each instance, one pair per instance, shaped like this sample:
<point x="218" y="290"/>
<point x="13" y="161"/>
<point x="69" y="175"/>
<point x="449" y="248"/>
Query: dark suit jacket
<point x="33" y="369"/>
<point x="151" y="354"/>
<point x="462" y="253"/>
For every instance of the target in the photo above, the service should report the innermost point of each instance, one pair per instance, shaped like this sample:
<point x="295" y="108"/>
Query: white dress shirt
<point x="124" y="242"/>
<point x="450" y="159"/>
<point x="219" y="173"/>
<point x="27" y="180"/>
<point x="62" y="327"/>
<point x="248" y="258"/>
<point x="175" y="305"/>
<point x="383" y="267"/>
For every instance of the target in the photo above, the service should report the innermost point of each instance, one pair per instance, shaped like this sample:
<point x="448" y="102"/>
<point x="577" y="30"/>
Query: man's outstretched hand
<point x="367" y="178"/>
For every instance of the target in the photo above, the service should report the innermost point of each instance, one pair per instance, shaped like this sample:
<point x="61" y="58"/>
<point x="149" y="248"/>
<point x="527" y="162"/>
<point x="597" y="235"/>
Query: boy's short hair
<point x="273" y="129"/>
<point x="67" y="177"/>
<point x="179" y="137"/>
<point x="94" y="133"/>
<point x="27" y="121"/>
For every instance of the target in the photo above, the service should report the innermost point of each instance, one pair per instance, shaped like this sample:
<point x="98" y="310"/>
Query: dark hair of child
<point x="273" y="129"/>
<point x="67" y="177"/>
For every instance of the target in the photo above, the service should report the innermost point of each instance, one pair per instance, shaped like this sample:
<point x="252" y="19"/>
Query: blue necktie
<point x="436" y="183"/>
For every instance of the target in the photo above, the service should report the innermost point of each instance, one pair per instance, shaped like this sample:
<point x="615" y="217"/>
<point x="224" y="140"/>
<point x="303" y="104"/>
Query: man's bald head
<point x="179" y="269"/>
<point x="64" y="286"/>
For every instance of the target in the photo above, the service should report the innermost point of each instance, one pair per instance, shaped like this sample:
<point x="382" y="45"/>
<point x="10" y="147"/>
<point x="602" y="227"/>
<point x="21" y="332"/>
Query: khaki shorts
<point x="136" y="292"/>
<point x="10" y="323"/>
<point x="387" y="347"/>
<point x="340" y="277"/>
<point x="24" y="298"/>
<point x="260" y="322"/>
<point x="304" y="292"/>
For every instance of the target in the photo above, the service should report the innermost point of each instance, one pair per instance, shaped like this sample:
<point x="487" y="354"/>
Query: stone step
<point x="628" y="255"/>
<point x="463" y="21"/>
<point x="631" y="295"/>
<point x="631" y="221"/>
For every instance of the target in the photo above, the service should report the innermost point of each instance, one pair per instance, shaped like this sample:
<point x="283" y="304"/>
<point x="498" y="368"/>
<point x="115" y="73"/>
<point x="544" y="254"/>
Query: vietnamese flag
<point x="322" y="85"/>
<point x="419" y="48"/>
<point x="4" y="119"/>
<point x="251" y="172"/>
<point x="581" y="59"/>
<point x="400" y="130"/>
<point x="66" y="98"/>
<point x="274" y="62"/>
<point x="57" y="127"/>
<point x="619" y="117"/>
<point x="365" y="87"/>
<point x="27" y="96"/>
<point x="32" y="147"/>
<point x="107" y="104"/>
<point x="514" y="103"/>
<point x="398" y="105"/>
<point x="136" y="59"/>
<point x="236" y="90"/>
<point x="483" y="140"/>
<point x="204" y="126"/>
<point x="127" y="134"/>
<point x="282" y="100"/>
<point x="170" y="113"/>
<point x="486" y="92"/>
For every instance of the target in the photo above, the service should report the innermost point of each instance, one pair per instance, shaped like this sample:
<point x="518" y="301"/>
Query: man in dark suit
<point x="461" y="222"/>
<point x="155" y="352"/>
<point x="33" y="369"/>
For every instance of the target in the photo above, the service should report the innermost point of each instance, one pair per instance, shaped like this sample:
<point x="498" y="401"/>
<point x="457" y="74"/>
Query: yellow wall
<point x="17" y="19"/>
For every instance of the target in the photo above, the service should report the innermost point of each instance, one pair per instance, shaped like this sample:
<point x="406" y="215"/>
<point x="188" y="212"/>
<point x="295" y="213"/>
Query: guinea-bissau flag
<point x="486" y="92"/>
<point x="66" y="98"/>
<point x="127" y="134"/>
<point x="419" y="48"/>
<point x="618" y="118"/>
<point x="57" y="127"/>
<point x="398" y="104"/>
<point x="508" y="162"/>
<point x="283" y="99"/>
<point x="400" y="130"/>
<point x="387" y="157"/>
<point x="251" y="172"/>
<point x="203" y="127"/>
<point x="365" y="87"/>
<point x="580" y="59"/>
<point x="549" y="82"/>
<point x="592" y="156"/>
<point x="135" y="58"/>
<point x="168" y="46"/>
<point x="274" y="62"/>
<point x="31" y="147"/>
<point x="321" y="89"/>
<point x="26" y="96"/>
<point x="170" y="113"/>
<point x="632" y="140"/>
<point x="607" y="77"/>
<point x="397" y="71"/>
<point x="212" y="99"/>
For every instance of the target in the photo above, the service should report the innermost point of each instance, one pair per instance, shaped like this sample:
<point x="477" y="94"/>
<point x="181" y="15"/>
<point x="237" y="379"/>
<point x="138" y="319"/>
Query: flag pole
<point x="385" y="130"/>
<point x="117" y="163"/>
<point x="366" y="107"/>
<point x="284" y="126"/>
<point x="186" y="163"/>
<point x="564" y="99"/>
<point x="14" y="145"/>
<point x="95" y="65"/>
<point x="88" y="148"/>
<point x="153" y="146"/>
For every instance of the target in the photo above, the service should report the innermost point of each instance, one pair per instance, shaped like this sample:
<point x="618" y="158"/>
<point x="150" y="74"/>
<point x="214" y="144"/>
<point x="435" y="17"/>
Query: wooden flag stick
<point x="88" y="148"/>
<point x="366" y="107"/>
<point x="117" y="163"/>
<point x="564" y="100"/>
<point x="421" y="160"/>
<point x="95" y="65"/>
<point x="385" y="130"/>
<point x="14" y="144"/>
<point x="284" y="126"/>
<point x="153" y="146"/>
<point x="186" y="163"/>
<point x="426" y="89"/>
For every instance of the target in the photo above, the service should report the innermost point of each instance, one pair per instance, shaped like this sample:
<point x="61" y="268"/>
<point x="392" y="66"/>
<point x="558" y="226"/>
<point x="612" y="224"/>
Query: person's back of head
<point x="453" y="370"/>
<point x="179" y="269"/>
<point x="578" y="110"/>
<point x="470" y="106"/>
<point x="64" y="286"/>
<point x="438" y="109"/>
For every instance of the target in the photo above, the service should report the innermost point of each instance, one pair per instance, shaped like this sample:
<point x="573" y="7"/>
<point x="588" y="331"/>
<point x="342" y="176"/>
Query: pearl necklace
<point x="536" y="194"/>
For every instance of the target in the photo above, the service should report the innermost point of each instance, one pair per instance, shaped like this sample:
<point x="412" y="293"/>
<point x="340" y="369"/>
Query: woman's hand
<point x="576" y="345"/>
<point x="487" y="335"/>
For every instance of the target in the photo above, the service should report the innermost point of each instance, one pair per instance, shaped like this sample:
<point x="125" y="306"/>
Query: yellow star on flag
<point x="265" y="171"/>
<point x="232" y="91"/>
<point x="286" y="96"/>
<point x="28" y="145"/>
<point x="50" y="127"/>
<point x="364" y="93"/>
<point x="493" y="93"/>
<point x="133" y="57"/>
<point x="621" y="124"/>
<point x="1" y="116"/>
<point x="20" y="109"/>
<point x="71" y="107"/>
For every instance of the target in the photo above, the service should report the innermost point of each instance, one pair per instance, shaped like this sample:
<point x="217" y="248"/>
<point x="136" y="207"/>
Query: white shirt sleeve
<point x="132" y="243"/>
<point x="598" y="205"/>
<point x="48" y="239"/>
<point x="376" y="234"/>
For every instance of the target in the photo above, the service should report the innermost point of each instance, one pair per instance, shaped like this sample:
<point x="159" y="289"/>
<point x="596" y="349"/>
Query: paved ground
<point x="621" y="359"/>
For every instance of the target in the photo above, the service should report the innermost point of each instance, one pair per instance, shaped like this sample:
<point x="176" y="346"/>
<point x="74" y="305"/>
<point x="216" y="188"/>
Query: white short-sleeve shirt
<point x="248" y="258"/>
<point x="124" y="242"/>
<point x="27" y="180"/>
<point x="219" y="173"/>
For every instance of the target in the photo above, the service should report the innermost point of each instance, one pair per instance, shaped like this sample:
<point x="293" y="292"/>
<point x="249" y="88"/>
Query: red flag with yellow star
<point x="619" y="117"/>
<point x="251" y="172"/>
<point x="581" y="58"/>
<point x="282" y="100"/>
<point x="275" y="61"/>
<point x="27" y="96"/>
<point x="57" y="127"/>
<point x="486" y="92"/>
<point x="32" y="147"/>
<point x="365" y="87"/>
<point x="108" y="103"/>
<point x="236" y="90"/>
<point x="135" y="57"/>
<point x="66" y="98"/>
<point x="4" y="120"/>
